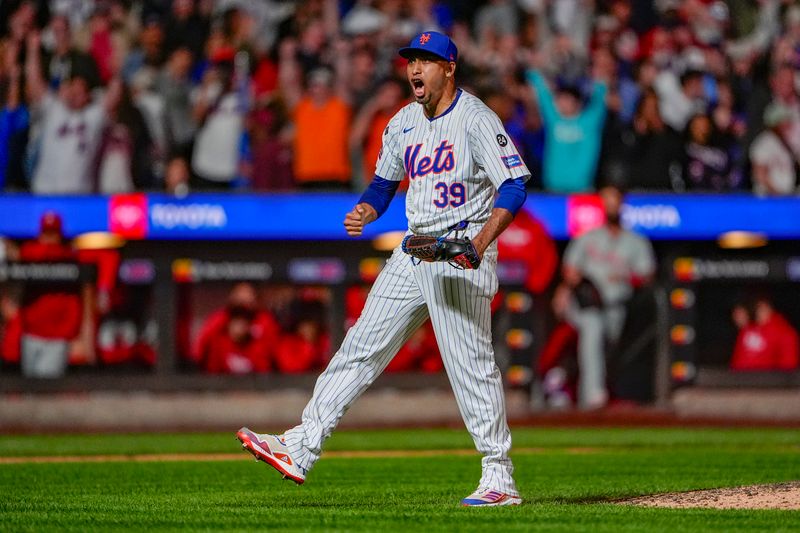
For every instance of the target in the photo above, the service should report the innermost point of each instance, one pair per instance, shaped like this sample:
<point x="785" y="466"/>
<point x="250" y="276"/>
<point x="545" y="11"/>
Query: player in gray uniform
<point x="457" y="155"/>
<point x="616" y="261"/>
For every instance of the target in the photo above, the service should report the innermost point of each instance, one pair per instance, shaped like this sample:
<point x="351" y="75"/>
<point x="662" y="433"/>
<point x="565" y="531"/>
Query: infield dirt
<point x="784" y="496"/>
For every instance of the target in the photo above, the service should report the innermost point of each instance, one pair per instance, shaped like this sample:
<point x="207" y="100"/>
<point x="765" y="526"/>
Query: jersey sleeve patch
<point x="512" y="161"/>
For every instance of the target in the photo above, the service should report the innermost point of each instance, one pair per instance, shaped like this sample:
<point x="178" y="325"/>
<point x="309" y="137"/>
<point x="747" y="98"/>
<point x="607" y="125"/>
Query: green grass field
<point x="566" y="477"/>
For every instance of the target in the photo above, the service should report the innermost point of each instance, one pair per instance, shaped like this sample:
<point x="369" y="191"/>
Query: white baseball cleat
<point x="272" y="450"/>
<point x="489" y="498"/>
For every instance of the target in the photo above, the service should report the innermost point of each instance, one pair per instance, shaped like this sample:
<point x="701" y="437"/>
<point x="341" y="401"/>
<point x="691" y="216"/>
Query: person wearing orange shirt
<point x="322" y="124"/>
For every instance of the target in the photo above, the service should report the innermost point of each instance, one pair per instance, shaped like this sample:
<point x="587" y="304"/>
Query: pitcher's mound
<point x="773" y="496"/>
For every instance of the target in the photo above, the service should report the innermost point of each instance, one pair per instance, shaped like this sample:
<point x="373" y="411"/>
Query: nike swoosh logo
<point x="406" y="130"/>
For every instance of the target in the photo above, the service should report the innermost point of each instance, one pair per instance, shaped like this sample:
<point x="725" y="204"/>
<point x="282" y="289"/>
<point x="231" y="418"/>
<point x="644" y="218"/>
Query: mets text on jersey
<point x="443" y="160"/>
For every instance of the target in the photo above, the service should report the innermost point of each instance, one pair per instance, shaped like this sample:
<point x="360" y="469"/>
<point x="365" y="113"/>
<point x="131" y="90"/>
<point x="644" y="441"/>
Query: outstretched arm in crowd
<point x="13" y="98"/>
<point x="35" y="85"/>
<point x="547" y="105"/>
<point x="761" y="176"/>
<point x="383" y="99"/>
<point x="290" y="77"/>
<point x="113" y="95"/>
<point x="596" y="107"/>
<point x="341" y="69"/>
<point x="330" y="17"/>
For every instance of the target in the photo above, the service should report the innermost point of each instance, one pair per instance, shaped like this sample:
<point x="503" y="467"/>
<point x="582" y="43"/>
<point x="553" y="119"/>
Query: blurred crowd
<point x="112" y="96"/>
<point x="103" y="320"/>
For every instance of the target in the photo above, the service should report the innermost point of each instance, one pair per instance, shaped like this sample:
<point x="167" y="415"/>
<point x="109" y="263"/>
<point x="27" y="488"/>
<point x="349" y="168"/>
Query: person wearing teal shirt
<point x="573" y="135"/>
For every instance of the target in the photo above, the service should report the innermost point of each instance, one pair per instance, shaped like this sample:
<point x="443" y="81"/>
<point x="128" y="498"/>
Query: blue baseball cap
<point x="434" y="43"/>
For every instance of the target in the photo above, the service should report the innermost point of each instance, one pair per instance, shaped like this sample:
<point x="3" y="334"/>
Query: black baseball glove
<point x="459" y="252"/>
<point x="587" y="295"/>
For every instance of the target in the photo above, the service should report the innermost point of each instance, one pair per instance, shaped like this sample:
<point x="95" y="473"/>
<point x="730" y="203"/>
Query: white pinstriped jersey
<point x="455" y="162"/>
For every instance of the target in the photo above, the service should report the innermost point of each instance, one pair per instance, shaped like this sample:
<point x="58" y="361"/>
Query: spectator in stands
<point x="149" y="52"/>
<point x="10" y="331"/>
<point x="655" y="149"/>
<point x="366" y="135"/>
<point x="219" y="113"/>
<point x="785" y="93"/>
<point x="495" y="20"/>
<point x="10" y="321"/>
<point x="100" y="43"/>
<point x="322" y="122"/>
<point x="698" y="58"/>
<point x="126" y="150"/>
<point x="238" y="339"/>
<point x="708" y="164"/>
<point x="766" y="340"/>
<point x="177" y="176"/>
<point x="757" y="82"/>
<point x="174" y="86"/>
<point x="359" y="70"/>
<point x="151" y="104"/>
<point x="125" y="336"/>
<point x="13" y="117"/>
<point x="601" y="270"/>
<point x="680" y="98"/>
<point x="21" y="20"/>
<point x="774" y="164"/>
<point x="726" y="113"/>
<point x="303" y="348"/>
<point x="573" y="133"/>
<point x="72" y="125"/>
<point x="50" y="312"/>
<point x="186" y="28"/>
<point x="270" y="149"/>
<point x="65" y="59"/>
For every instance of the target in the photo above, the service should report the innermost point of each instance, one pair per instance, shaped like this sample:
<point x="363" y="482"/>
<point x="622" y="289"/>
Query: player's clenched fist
<point x="361" y="215"/>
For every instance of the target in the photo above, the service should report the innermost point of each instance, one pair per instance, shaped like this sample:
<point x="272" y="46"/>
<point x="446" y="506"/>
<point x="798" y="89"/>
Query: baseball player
<point x="602" y="267"/>
<point x="457" y="155"/>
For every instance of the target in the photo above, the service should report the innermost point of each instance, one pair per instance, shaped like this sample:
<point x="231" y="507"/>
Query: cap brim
<point x="409" y="51"/>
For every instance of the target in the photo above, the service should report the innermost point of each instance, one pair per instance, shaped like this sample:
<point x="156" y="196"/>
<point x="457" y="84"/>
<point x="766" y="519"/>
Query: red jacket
<point x="773" y="345"/>
<point x="419" y="353"/>
<point x="296" y="355"/>
<point x="526" y="241"/>
<point x="10" y="344"/>
<point x="48" y="310"/>
<point x="217" y="353"/>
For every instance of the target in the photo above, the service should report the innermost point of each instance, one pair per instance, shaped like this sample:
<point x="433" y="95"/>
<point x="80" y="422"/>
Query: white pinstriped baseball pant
<point x="403" y="296"/>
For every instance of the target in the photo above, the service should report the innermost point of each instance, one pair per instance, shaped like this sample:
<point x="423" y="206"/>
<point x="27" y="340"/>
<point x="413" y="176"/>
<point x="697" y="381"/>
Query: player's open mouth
<point x="419" y="87"/>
